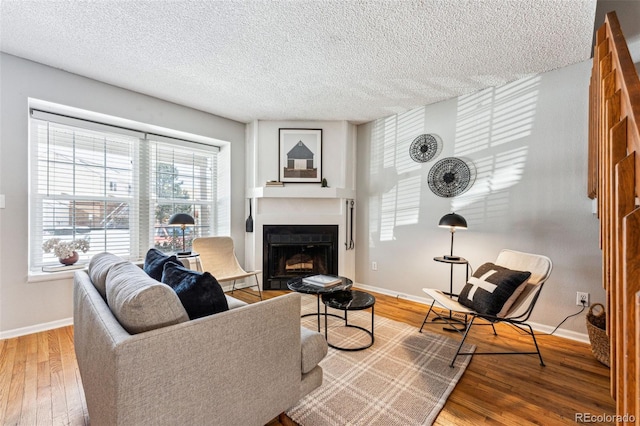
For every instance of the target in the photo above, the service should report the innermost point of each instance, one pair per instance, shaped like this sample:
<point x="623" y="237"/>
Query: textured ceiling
<point x="301" y="60"/>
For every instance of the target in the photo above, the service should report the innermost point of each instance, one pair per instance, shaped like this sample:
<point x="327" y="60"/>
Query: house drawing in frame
<point x="299" y="158"/>
<point x="300" y="155"/>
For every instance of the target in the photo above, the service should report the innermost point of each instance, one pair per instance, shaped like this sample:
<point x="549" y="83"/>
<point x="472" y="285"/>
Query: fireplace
<point x="298" y="250"/>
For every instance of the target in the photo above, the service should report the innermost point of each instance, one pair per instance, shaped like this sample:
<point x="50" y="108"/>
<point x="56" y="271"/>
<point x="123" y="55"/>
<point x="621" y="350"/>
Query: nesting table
<point x="298" y="285"/>
<point x="340" y="297"/>
<point x="349" y="300"/>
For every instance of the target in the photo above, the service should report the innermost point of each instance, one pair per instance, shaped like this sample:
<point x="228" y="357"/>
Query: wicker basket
<point x="596" y="327"/>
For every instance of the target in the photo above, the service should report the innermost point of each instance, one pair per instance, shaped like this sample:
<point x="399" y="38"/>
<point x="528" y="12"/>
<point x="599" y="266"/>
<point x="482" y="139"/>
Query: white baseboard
<point x="567" y="334"/>
<point x="387" y="292"/>
<point x="17" y="332"/>
<point x="561" y="332"/>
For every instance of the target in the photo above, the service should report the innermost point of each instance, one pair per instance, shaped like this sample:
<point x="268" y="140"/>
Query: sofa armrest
<point x="314" y="348"/>
<point x="96" y="333"/>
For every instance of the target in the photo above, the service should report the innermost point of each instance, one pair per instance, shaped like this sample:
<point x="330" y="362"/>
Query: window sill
<point x="63" y="274"/>
<point x="36" y="277"/>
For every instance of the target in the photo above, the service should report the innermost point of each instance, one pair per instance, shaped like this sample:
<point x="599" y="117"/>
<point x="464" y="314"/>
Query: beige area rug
<point x="403" y="379"/>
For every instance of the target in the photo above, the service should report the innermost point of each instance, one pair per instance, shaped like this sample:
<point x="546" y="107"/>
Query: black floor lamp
<point x="453" y="221"/>
<point x="182" y="220"/>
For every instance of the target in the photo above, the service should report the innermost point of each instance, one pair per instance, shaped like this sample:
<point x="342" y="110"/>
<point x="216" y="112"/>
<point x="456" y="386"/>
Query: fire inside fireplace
<point x="298" y="250"/>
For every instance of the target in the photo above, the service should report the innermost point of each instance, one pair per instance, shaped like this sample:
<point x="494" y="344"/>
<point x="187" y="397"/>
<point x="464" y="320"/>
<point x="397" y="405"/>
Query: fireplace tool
<point x="249" y="222"/>
<point x="348" y="242"/>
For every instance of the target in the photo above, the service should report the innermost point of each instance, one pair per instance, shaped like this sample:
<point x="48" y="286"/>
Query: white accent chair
<point x="519" y="312"/>
<point x="217" y="256"/>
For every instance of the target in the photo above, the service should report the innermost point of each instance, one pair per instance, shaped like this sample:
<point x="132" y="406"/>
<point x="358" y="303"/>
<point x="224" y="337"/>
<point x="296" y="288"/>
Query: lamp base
<point x="448" y="257"/>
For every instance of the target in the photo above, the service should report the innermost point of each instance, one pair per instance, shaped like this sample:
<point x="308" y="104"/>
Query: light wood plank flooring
<point x="40" y="383"/>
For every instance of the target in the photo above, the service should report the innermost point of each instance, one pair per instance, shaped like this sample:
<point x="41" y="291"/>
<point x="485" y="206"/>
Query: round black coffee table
<point x="349" y="300"/>
<point x="298" y="285"/>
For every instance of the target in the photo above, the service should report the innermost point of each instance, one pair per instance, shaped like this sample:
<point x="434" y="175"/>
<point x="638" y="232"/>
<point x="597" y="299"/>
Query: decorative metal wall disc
<point x="450" y="176"/>
<point x="425" y="148"/>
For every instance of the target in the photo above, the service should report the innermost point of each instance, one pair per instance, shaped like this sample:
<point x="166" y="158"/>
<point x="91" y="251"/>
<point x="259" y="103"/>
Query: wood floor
<point x="40" y="383"/>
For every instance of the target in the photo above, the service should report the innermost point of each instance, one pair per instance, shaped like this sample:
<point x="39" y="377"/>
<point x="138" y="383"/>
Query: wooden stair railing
<point x="614" y="179"/>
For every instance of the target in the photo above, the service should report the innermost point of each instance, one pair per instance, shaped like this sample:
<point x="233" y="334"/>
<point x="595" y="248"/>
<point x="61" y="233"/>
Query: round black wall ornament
<point x="450" y="176"/>
<point x="425" y="147"/>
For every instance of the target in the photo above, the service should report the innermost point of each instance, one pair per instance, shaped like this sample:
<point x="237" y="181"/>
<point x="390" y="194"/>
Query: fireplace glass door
<point x="300" y="250"/>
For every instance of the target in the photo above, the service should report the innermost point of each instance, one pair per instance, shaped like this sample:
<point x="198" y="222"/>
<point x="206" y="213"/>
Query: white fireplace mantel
<point x="300" y="192"/>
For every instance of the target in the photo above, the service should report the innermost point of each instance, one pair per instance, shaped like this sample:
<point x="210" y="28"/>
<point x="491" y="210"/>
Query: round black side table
<point x="450" y="320"/>
<point x="349" y="300"/>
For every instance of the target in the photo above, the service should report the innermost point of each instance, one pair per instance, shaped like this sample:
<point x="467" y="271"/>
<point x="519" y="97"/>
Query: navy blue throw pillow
<point x="199" y="292"/>
<point x="154" y="263"/>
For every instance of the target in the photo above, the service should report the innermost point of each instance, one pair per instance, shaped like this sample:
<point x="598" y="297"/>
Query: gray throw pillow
<point x="139" y="302"/>
<point x="99" y="265"/>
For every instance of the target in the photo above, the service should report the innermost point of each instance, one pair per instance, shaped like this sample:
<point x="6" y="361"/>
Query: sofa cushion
<point x="199" y="292"/>
<point x="491" y="287"/>
<point x="314" y="348"/>
<point x="139" y="302"/>
<point x="98" y="267"/>
<point x="154" y="263"/>
<point x="234" y="303"/>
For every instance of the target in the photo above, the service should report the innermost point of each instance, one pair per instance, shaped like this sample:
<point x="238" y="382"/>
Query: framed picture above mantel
<point x="300" y="156"/>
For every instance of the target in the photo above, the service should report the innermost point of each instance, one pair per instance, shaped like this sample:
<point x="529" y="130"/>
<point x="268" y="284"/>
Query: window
<point x="182" y="182"/>
<point x="116" y="187"/>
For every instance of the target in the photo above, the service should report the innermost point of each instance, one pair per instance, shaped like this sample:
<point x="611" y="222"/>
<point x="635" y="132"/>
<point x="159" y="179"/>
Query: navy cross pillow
<point x="490" y="287"/>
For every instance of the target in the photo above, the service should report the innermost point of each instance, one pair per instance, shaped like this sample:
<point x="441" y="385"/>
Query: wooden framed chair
<point x="218" y="257"/>
<point x="517" y="314"/>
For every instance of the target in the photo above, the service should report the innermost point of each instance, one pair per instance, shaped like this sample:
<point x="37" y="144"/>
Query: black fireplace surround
<point x="291" y="251"/>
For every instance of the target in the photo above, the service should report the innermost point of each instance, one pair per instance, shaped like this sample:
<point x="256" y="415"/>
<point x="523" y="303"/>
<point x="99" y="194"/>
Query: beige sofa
<point x="243" y="366"/>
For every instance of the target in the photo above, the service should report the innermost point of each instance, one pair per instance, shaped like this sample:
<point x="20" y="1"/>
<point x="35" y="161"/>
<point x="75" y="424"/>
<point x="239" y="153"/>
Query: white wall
<point x="26" y="304"/>
<point x="337" y="159"/>
<point x="528" y="140"/>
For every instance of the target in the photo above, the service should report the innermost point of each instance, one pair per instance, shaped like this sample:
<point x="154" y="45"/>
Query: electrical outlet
<point x="580" y="297"/>
<point x="374" y="266"/>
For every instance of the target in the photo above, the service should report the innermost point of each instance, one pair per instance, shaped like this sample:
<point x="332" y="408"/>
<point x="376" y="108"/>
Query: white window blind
<point x="115" y="187"/>
<point x="182" y="180"/>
